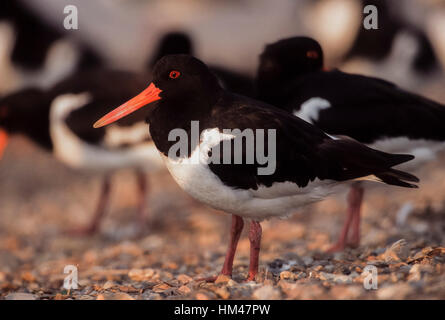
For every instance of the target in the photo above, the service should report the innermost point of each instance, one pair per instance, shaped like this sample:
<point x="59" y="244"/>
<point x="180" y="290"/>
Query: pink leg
<point x="143" y="189"/>
<point x="355" y="197"/>
<point x="356" y="203"/>
<point x="255" y="233"/>
<point x="93" y="226"/>
<point x="235" y="233"/>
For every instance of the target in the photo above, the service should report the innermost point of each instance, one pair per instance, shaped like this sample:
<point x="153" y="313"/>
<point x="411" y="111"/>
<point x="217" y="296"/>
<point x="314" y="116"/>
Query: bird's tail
<point x="398" y="178"/>
<point x="359" y="162"/>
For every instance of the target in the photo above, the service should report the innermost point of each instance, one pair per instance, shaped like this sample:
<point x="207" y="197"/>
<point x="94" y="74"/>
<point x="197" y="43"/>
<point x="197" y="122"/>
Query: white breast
<point x="280" y="200"/>
<point x="79" y="154"/>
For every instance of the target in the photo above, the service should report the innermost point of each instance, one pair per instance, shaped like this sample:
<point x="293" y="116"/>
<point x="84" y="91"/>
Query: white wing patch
<point x="76" y="153"/>
<point x="311" y="108"/>
<point x="117" y="136"/>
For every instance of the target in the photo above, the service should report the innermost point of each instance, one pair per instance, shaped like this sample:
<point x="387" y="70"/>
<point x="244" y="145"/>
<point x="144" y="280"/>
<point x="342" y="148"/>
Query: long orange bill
<point x="147" y="96"/>
<point x="3" y="141"/>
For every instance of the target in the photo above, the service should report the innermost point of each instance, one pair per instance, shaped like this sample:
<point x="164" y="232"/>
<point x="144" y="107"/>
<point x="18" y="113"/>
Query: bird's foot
<point x="82" y="231"/>
<point x="214" y="278"/>
<point x="339" y="246"/>
<point x="353" y="243"/>
<point x="250" y="277"/>
<point x="207" y="279"/>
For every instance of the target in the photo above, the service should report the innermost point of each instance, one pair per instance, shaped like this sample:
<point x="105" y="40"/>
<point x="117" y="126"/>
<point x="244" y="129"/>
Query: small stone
<point x="397" y="252"/>
<point x="222" y="278"/>
<point x="114" y="296"/>
<point x="286" y="275"/>
<point x="141" y="274"/>
<point x="308" y="261"/>
<point x="267" y="293"/>
<point x="28" y="277"/>
<point x="329" y="268"/>
<point x="337" y="278"/>
<point x="161" y="287"/>
<point x="223" y="293"/>
<point x="343" y="292"/>
<point x="21" y="296"/>
<point x="415" y="273"/>
<point x="202" y="296"/>
<point x="109" y="284"/>
<point x="59" y="296"/>
<point x="184" y="290"/>
<point x="183" y="278"/>
<point x="396" y="291"/>
<point x="232" y="283"/>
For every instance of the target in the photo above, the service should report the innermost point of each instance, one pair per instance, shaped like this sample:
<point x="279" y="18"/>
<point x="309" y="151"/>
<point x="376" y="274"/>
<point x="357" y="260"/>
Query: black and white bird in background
<point x="309" y="163"/>
<point x="373" y="111"/>
<point x="59" y="119"/>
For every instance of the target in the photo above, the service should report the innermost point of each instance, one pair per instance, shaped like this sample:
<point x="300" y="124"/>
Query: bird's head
<point x="179" y="82"/>
<point x="284" y="60"/>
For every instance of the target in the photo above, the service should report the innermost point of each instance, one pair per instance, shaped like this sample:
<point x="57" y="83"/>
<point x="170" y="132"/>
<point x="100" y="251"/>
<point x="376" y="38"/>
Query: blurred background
<point x="41" y="197"/>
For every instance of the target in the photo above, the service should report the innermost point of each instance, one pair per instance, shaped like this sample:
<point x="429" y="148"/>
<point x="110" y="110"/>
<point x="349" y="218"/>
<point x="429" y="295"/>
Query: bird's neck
<point x="171" y="119"/>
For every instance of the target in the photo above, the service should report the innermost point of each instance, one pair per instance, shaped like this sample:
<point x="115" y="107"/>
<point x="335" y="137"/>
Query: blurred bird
<point x="370" y="110"/>
<point x="59" y="120"/>
<point x="308" y="164"/>
<point x="39" y="53"/>
<point x="178" y="42"/>
<point x="397" y="50"/>
<point x="66" y="112"/>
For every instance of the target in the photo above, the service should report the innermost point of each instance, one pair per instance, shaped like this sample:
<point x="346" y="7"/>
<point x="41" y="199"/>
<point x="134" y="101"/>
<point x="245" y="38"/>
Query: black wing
<point x="367" y="109"/>
<point x="107" y="89"/>
<point x="303" y="152"/>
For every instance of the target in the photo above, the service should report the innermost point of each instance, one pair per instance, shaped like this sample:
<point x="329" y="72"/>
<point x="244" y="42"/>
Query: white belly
<point x="194" y="176"/>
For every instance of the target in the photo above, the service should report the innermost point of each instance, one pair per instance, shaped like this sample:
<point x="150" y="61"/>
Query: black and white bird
<point x="35" y="53"/>
<point x="307" y="163"/>
<point x="372" y="111"/>
<point x="398" y="50"/>
<point x="66" y="111"/>
<point x="59" y="120"/>
<point x="177" y="42"/>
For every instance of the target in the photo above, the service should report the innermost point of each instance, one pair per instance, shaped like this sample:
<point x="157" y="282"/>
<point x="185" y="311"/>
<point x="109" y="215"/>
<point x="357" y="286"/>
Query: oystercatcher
<point x="378" y="44"/>
<point x="307" y="163"/>
<point x="177" y="42"/>
<point x="59" y="120"/>
<point x="66" y="111"/>
<point x="36" y="53"/>
<point x="373" y="111"/>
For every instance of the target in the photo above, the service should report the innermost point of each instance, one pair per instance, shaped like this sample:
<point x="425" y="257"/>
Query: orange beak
<point x="3" y="141"/>
<point x="147" y="96"/>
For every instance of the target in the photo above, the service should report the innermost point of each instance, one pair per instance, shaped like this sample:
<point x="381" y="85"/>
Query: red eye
<point x="312" y="54"/>
<point x="174" y="74"/>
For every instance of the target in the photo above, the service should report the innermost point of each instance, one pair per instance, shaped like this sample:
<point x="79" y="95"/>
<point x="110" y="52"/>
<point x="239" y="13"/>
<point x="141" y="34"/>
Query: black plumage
<point x="185" y="90"/>
<point x="364" y="108"/>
